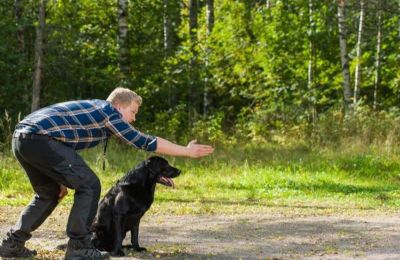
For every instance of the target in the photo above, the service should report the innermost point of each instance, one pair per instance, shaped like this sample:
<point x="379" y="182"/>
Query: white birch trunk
<point x="210" y="26"/>
<point x="37" y="74"/>
<point x="378" y="59"/>
<point x="357" y="74"/>
<point x="343" y="55"/>
<point x="193" y="91"/>
<point x="311" y="62"/>
<point x="123" y="52"/>
<point x="166" y="29"/>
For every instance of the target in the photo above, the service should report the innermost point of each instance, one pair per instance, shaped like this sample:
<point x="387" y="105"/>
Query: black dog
<point x="126" y="202"/>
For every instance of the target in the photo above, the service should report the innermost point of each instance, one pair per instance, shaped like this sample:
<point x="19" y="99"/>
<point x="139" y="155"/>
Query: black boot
<point x="14" y="248"/>
<point x="82" y="250"/>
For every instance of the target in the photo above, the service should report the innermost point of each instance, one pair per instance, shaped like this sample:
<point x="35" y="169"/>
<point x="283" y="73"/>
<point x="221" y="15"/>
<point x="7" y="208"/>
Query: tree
<point x="311" y="49"/>
<point x="248" y="18"/>
<point x="37" y="75"/>
<point x="167" y="28"/>
<point x="378" y="56"/>
<point x="20" y="29"/>
<point x="357" y="75"/>
<point x="123" y="50"/>
<point x="343" y="55"/>
<point x="193" y="84"/>
<point x="210" y="27"/>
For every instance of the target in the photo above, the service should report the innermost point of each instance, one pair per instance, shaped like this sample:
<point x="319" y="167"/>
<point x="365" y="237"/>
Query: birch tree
<point x="20" y="29"/>
<point x="378" y="56"/>
<point x="123" y="51"/>
<point x="398" y="21"/>
<point x="210" y="16"/>
<point x="343" y="55"/>
<point x="210" y="26"/>
<point x="193" y="10"/>
<point x="357" y="74"/>
<point x="166" y="28"/>
<point x="311" y="50"/>
<point x="37" y="75"/>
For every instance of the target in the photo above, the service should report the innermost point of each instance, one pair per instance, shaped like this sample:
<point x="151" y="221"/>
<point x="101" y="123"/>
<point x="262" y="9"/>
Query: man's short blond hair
<point x="124" y="97"/>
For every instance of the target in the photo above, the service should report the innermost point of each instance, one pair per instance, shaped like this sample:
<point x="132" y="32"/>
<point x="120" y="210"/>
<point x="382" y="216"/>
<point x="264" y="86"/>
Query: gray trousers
<point x="49" y="163"/>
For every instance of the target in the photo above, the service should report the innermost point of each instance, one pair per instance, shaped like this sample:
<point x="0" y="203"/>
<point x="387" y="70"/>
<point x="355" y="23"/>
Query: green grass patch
<point x="240" y="179"/>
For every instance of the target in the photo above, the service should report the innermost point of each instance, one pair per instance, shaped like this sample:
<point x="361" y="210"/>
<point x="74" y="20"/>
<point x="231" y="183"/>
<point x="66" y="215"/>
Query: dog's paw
<point x="137" y="248"/>
<point x="117" y="253"/>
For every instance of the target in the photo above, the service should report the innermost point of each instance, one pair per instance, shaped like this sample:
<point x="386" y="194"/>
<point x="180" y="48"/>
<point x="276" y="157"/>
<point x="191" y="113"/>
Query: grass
<point x="238" y="179"/>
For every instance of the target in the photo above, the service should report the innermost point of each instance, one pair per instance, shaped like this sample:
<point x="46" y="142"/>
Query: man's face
<point x="128" y="111"/>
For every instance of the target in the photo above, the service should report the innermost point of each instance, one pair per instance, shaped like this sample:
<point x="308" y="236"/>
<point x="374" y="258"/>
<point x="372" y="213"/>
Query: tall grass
<point x="243" y="178"/>
<point x="345" y="164"/>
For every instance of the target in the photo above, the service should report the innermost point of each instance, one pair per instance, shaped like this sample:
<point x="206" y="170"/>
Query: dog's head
<point x="160" y="170"/>
<point x="149" y="172"/>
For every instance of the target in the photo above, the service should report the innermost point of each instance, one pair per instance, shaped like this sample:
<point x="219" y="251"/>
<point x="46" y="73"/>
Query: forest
<point x="299" y="98"/>
<point x="227" y="70"/>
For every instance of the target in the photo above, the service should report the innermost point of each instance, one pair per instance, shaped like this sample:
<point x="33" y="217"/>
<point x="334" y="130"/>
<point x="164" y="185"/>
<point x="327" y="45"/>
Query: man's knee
<point x="96" y="186"/>
<point x="91" y="184"/>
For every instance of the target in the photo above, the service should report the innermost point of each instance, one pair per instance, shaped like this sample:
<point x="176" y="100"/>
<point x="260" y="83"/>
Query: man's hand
<point x="63" y="192"/>
<point x="198" y="150"/>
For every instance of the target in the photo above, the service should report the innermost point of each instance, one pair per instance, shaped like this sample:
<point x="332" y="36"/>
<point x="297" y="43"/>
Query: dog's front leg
<point x="119" y="224"/>
<point x="135" y="237"/>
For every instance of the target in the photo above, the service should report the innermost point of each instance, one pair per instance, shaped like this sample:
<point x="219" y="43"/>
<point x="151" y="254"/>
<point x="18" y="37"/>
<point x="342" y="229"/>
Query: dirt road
<point x="273" y="234"/>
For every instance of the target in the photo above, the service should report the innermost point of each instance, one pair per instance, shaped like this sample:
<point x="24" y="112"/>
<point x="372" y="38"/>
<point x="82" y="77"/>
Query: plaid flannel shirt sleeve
<point x="118" y="127"/>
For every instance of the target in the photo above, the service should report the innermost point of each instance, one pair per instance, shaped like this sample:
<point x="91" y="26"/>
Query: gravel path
<point x="267" y="235"/>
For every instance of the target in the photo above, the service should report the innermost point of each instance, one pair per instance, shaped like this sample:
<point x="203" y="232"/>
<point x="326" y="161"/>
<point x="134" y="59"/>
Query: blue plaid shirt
<point x="83" y="124"/>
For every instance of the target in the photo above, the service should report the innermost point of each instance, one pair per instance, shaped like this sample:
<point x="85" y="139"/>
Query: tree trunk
<point x="193" y="10"/>
<point x="343" y="55"/>
<point x="210" y="16"/>
<point x="166" y="29"/>
<point x="357" y="74"/>
<point x="311" y="49"/>
<point x="248" y="22"/>
<point x="398" y="22"/>
<point x="210" y="26"/>
<point x="123" y="50"/>
<point x="20" y="29"/>
<point x="37" y="74"/>
<point x="378" y="57"/>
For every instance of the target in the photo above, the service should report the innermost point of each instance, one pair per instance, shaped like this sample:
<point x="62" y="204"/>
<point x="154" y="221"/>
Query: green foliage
<point x="251" y="72"/>
<point x="249" y="178"/>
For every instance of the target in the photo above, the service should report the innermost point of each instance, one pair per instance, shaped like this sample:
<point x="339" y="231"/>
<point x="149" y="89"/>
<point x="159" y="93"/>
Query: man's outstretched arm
<point x="192" y="150"/>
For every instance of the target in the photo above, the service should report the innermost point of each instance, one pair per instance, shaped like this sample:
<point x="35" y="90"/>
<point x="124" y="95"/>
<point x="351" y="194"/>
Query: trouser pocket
<point x="74" y="175"/>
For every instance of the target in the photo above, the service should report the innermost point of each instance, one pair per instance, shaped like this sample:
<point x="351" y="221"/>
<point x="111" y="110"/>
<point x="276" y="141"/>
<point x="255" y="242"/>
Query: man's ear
<point x="118" y="107"/>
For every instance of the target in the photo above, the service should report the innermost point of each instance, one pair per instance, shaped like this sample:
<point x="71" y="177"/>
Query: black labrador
<point x="126" y="202"/>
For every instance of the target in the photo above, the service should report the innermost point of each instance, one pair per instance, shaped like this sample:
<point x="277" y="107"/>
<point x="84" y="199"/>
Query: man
<point x="45" y="144"/>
